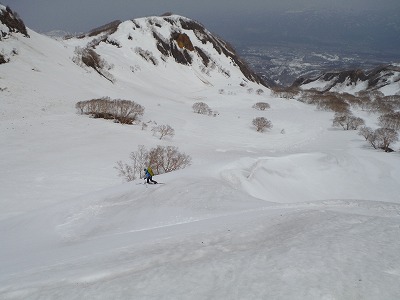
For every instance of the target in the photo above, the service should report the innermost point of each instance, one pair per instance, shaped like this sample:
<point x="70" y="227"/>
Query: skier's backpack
<point x="150" y="171"/>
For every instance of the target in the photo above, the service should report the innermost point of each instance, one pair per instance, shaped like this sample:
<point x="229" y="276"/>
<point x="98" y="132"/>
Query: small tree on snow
<point x="262" y="124"/>
<point x="380" y="138"/>
<point x="384" y="137"/>
<point x="261" y="106"/>
<point x="163" y="130"/>
<point x="390" y="120"/>
<point x="201" y="108"/>
<point x="366" y="132"/>
<point x="347" y="121"/>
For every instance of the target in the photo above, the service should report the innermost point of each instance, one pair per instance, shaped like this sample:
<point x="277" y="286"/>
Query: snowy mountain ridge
<point x="162" y="39"/>
<point x="383" y="78"/>
<point x="300" y="211"/>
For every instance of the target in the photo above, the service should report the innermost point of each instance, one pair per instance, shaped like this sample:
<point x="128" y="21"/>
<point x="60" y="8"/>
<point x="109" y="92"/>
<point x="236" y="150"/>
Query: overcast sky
<point x="83" y="15"/>
<point x="360" y="24"/>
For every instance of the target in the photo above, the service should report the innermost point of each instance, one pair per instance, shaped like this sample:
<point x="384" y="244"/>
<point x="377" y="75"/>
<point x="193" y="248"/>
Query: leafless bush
<point x="332" y="102"/>
<point x="391" y="120"/>
<point x="380" y="106"/>
<point x="125" y="171"/>
<point x="139" y="161"/>
<point x="286" y="93"/>
<point x="124" y="111"/>
<point x="201" y="108"/>
<point x="382" y="138"/>
<point x="161" y="159"/>
<point x="347" y="121"/>
<point x="259" y="91"/>
<point x="261" y="106"/>
<point x="163" y="130"/>
<point x="352" y="100"/>
<point x="168" y="159"/>
<point x="366" y="132"/>
<point x="144" y="126"/>
<point x="262" y="124"/>
<point x="393" y="101"/>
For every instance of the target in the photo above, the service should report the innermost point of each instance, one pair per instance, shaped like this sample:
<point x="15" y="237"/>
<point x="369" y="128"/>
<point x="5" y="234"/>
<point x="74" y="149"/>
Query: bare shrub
<point x="366" y="132"/>
<point x="364" y="103"/>
<point x="262" y="124"/>
<point x="393" y="101"/>
<point x="261" y="106"/>
<point x="125" y="171"/>
<point x="259" y="91"/>
<point x="382" y="138"/>
<point x="347" y="121"/>
<point x="380" y="106"/>
<point x="139" y="160"/>
<point x="163" y="130"/>
<point x="201" y="108"/>
<point x="286" y="93"/>
<point x="390" y="120"/>
<point x="332" y="102"/>
<point x="124" y="111"/>
<point x="161" y="159"/>
<point x="167" y="159"/>
<point x="127" y="111"/>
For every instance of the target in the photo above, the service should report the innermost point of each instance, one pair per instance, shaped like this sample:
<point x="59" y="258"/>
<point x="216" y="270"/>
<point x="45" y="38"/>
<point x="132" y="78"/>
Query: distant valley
<point x="283" y="64"/>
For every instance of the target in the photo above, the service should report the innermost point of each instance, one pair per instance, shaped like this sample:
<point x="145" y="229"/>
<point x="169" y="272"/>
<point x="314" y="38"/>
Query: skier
<point x="148" y="174"/>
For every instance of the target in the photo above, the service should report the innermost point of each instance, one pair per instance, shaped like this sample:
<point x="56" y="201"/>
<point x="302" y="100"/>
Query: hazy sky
<point x="363" y="24"/>
<point x="83" y="15"/>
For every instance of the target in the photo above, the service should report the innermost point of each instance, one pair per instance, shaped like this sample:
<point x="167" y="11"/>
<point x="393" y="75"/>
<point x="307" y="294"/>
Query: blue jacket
<point x="147" y="174"/>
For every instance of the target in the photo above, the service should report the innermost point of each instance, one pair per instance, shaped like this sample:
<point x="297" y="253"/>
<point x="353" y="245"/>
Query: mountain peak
<point x="159" y="39"/>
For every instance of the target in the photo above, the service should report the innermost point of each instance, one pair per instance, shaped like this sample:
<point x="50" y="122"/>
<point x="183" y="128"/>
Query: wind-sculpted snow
<point x="314" y="176"/>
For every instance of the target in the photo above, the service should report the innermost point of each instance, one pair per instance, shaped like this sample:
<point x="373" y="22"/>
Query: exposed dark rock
<point x="108" y="28"/>
<point x="183" y="41"/>
<point x="2" y="59"/>
<point x="204" y="57"/>
<point x="13" y="22"/>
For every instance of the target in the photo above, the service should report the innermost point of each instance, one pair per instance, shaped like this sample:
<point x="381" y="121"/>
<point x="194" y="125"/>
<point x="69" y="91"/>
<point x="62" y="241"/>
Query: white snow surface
<point x="310" y="212"/>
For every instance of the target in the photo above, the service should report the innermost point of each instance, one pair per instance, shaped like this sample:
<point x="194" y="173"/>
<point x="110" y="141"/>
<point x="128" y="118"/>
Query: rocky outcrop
<point x="12" y="21"/>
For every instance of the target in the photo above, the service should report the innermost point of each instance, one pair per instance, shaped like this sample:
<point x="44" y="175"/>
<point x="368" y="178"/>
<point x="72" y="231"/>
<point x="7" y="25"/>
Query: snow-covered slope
<point x="299" y="212"/>
<point x="385" y="79"/>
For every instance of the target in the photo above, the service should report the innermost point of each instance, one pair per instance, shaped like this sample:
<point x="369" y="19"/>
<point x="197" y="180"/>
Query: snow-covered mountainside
<point x="300" y="211"/>
<point x="160" y="40"/>
<point x="385" y="79"/>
